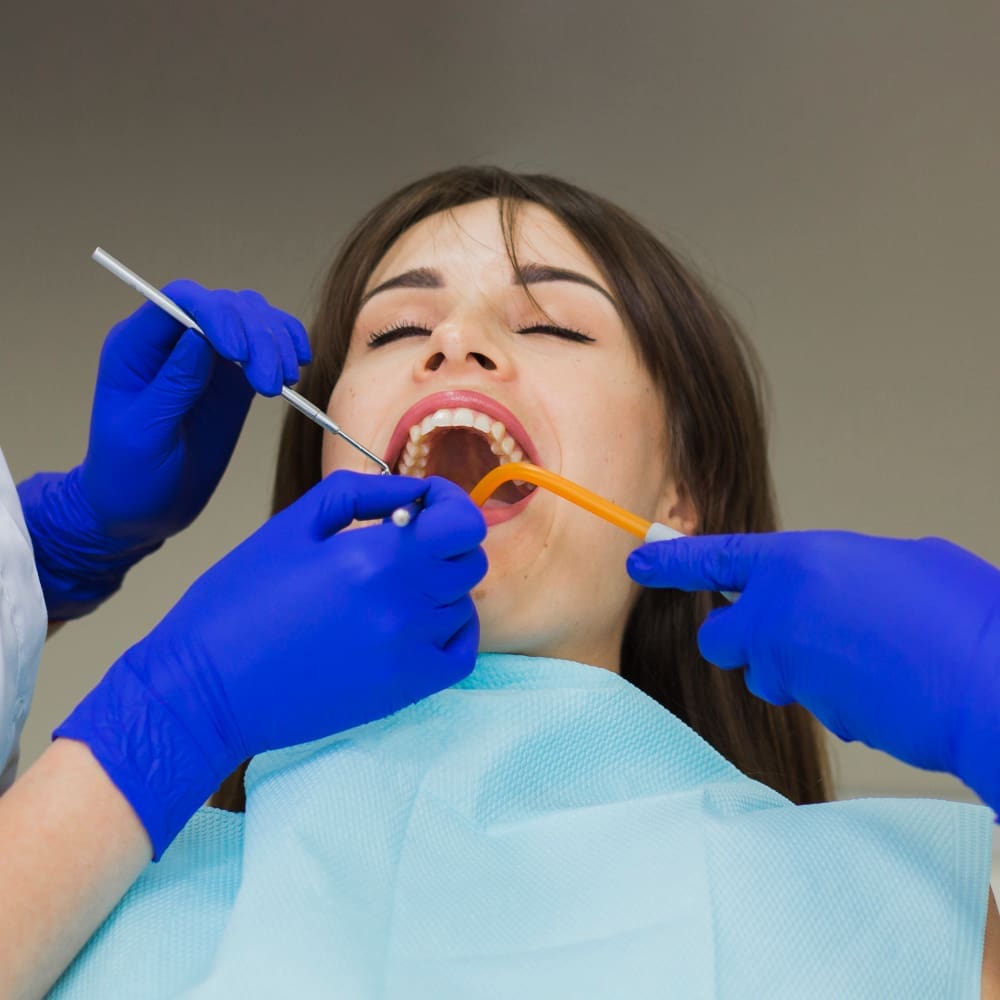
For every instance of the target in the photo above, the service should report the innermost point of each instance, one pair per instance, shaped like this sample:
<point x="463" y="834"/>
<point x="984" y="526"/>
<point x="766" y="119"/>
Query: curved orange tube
<point x="562" y="487"/>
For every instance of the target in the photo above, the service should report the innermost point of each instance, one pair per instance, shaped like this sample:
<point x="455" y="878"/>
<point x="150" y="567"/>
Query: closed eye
<point x="578" y="336"/>
<point x="398" y="331"/>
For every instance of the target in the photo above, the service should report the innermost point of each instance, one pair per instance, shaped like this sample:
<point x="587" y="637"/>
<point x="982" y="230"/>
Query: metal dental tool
<point x="314" y="413"/>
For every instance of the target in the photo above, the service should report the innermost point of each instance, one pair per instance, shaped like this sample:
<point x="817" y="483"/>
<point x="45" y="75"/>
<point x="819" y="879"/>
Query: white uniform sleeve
<point x="23" y="622"/>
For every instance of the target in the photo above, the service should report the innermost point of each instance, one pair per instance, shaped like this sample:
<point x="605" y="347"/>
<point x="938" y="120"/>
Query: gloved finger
<point x="225" y="332"/>
<point x="136" y="348"/>
<point x="832" y="718"/>
<point x="450" y="522"/>
<point x="445" y="624"/>
<point x="445" y="581"/>
<point x="439" y="668"/>
<point x="216" y="313"/>
<point x="444" y="653"/>
<point x="343" y="497"/>
<point x="273" y="337"/>
<point x="704" y="562"/>
<point x="722" y="638"/>
<point x="266" y="330"/>
<point x="300" y="339"/>
<point x="762" y="683"/>
<point x="463" y="646"/>
<point x="218" y="318"/>
<point x="286" y="348"/>
<point x="183" y="378"/>
<point x="264" y="367"/>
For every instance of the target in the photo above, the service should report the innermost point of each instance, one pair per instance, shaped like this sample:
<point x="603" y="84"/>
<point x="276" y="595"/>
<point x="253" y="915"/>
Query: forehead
<point x="468" y="241"/>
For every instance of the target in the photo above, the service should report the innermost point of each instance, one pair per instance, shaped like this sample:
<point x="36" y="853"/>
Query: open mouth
<point x="461" y="436"/>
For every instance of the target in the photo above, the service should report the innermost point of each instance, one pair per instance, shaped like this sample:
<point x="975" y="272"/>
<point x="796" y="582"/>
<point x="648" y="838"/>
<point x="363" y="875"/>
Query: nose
<point x="464" y="344"/>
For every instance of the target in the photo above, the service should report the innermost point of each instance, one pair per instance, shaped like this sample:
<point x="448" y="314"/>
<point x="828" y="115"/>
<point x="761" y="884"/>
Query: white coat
<point x="23" y="623"/>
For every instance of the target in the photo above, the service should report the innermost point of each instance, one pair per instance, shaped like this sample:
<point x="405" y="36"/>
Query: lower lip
<point x="504" y="512"/>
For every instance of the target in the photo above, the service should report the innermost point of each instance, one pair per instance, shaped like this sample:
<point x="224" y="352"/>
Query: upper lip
<point x="452" y="399"/>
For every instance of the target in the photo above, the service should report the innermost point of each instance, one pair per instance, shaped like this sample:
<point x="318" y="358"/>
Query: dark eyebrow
<point x="419" y="277"/>
<point x="529" y="274"/>
<point x="532" y="274"/>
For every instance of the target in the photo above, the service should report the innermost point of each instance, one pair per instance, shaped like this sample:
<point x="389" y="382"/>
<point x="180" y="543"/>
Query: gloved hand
<point x="298" y="633"/>
<point x="893" y="643"/>
<point x="167" y="413"/>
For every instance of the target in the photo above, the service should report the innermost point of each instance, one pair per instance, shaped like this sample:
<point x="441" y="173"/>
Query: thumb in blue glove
<point x="298" y="633"/>
<point x="168" y="410"/>
<point x="894" y="643"/>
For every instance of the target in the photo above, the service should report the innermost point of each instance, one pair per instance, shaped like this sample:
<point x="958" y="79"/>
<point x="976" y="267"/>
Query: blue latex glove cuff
<point x="146" y="750"/>
<point x="78" y="564"/>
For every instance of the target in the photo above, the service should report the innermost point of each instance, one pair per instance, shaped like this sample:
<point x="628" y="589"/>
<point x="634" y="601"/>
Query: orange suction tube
<point x="562" y="487"/>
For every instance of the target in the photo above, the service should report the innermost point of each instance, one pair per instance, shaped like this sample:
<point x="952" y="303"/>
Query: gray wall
<point x="832" y="167"/>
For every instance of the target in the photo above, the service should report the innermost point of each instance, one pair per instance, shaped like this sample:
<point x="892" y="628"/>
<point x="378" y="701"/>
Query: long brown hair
<point x="711" y="381"/>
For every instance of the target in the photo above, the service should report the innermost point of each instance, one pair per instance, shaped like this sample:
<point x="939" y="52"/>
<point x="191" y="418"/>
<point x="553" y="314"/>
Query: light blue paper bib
<point x="544" y="829"/>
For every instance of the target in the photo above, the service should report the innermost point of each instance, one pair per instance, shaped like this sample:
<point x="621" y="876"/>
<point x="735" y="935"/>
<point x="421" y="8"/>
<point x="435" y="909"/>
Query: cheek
<point x="345" y="409"/>
<point x="637" y="451"/>
<point x="343" y="399"/>
<point x="621" y="454"/>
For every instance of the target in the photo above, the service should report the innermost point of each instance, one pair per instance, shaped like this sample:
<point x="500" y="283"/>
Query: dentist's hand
<point x="893" y="643"/>
<point x="168" y="409"/>
<point x="298" y="633"/>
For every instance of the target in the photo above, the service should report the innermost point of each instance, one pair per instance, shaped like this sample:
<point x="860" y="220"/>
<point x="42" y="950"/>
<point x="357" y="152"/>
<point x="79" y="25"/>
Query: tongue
<point x="464" y="457"/>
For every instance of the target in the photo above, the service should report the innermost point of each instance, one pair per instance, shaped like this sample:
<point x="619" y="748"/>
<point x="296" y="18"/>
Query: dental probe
<point x="314" y="413"/>
<point x="402" y="516"/>
<point x="648" y="531"/>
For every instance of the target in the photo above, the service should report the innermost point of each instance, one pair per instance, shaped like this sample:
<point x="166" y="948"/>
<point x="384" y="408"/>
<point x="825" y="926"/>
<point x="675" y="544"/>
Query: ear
<point x="677" y="510"/>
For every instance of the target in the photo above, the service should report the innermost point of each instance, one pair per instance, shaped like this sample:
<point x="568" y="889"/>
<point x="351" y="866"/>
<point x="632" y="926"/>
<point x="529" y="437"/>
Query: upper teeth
<point x="413" y="461"/>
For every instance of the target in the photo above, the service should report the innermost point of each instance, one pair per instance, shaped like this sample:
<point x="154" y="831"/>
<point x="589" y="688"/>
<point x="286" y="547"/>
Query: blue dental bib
<point x="544" y="829"/>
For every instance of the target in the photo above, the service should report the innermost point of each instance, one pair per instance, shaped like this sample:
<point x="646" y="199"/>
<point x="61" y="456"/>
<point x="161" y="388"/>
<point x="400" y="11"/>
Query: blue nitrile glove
<point x="894" y="643"/>
<point x="298" y="633"/>
<point x="167" y="413"/>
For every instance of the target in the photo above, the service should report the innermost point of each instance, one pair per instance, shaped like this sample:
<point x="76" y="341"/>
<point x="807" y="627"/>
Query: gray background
<point x="832" y="168"/>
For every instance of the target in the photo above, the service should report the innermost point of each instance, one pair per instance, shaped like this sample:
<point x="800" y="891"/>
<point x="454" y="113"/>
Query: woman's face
<point x="450" y="354"/>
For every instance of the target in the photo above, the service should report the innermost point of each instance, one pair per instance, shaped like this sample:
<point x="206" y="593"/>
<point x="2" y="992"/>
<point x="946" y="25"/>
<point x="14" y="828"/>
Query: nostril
<point x="486" y="362"/>
<point x="436" y="360"/>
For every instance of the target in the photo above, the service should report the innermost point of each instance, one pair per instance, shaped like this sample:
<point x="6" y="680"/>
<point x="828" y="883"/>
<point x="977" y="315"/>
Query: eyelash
<point x="397" y="331"/>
